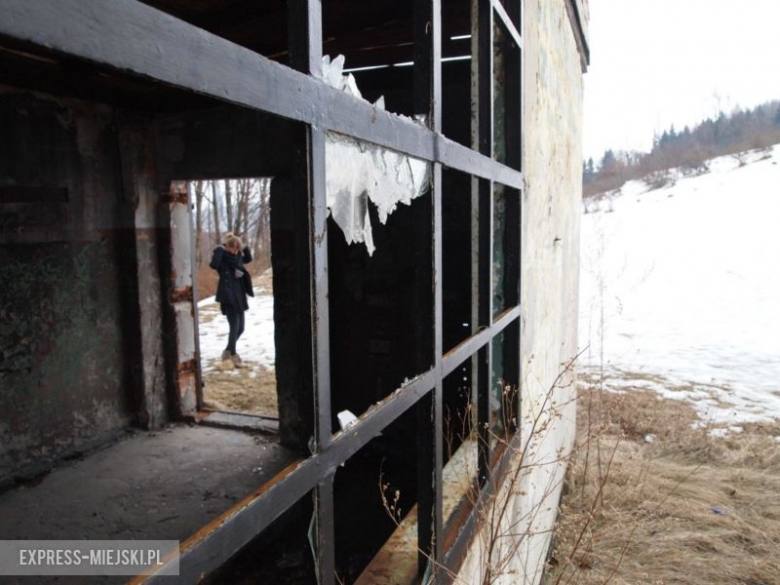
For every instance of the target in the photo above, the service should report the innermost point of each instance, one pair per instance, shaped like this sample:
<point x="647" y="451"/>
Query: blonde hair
<point x="233" y="241"/>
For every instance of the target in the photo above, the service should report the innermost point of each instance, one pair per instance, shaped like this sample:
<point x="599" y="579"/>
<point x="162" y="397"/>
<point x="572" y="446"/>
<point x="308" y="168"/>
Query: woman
<point x="235" y="284"/>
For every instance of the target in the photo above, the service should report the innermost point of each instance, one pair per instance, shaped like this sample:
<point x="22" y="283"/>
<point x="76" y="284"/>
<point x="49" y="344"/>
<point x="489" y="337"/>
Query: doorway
<point x="219" y="208"/>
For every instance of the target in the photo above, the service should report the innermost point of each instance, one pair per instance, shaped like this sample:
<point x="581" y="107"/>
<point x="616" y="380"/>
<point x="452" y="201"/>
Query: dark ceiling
<point x="374" y="32"/>
<point x="367" y="33"/>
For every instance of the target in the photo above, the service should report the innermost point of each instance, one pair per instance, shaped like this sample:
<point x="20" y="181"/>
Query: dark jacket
<point x="235" y="282"/>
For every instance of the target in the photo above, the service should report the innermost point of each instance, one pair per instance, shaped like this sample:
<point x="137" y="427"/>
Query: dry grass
<point x="251" y="390"/>
<point x="678" y="507"/>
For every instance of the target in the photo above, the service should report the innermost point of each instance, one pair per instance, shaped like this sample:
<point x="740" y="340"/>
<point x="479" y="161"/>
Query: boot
<point x="237" y="361"/>
<point x="226" y="355"/>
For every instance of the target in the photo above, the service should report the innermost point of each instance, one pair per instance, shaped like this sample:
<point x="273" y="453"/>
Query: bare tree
<point x="261" y="226"/>
<point x="229" y="205"/>
<point x="215" y="210"/>
<point x="238" y="205"/>
<point x="245" y="190"/>
<point x="200" y="191"/>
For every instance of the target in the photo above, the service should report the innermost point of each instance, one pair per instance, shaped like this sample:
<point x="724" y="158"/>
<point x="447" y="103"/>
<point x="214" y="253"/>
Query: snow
<point x="680" y="289"/>
<point x="255" y="345"/>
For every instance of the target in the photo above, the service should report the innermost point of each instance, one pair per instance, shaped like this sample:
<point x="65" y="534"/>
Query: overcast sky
<point x="658" y="62"/>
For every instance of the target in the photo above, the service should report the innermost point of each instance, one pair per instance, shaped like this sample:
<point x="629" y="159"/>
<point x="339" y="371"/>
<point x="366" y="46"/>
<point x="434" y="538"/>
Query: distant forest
<point x="690" y="149"/>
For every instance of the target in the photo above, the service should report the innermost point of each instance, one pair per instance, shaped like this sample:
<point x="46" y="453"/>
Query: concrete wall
<point x="552" y="162"/>
<point x="65" y="268"/>
<point x="88" y="343"/>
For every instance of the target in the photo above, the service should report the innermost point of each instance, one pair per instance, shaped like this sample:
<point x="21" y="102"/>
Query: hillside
<point x="676" y="465"/>
<point x="680" y="288"/>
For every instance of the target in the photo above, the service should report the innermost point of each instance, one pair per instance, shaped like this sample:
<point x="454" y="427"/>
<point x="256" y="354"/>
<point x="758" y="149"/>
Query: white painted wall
<point x="552" y="162"/>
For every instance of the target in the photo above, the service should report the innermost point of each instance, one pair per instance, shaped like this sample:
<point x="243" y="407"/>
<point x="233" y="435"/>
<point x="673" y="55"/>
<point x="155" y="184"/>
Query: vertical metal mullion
<point x="305" y="26"/>
<point x="324" y="535"/>
<point x="485" y="313"/>
<point x="427" y="101"/>
<point x="305" y="35"/>
<point x="482" y="100"/>
<point x="306" y="52"/>
<point x="438" y="520"/>
<point x="513" y="89"/>
<point x="320" y="309"/>
<point x="521" y="196"/>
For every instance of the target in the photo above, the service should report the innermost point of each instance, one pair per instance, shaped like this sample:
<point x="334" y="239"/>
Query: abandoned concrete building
<point x="438" y="303"/>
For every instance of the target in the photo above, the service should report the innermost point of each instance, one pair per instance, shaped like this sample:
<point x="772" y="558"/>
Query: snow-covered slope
<point x="680" y="289"/>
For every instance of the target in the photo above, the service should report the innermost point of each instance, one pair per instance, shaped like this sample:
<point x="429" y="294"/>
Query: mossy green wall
<point x="65" y="281"/>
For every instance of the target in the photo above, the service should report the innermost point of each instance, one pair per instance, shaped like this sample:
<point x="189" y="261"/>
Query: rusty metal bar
<point x="482" y="116"/>
<point x="514" y="98"/>
<point x="462" y="531"/>
<point x="318" y="241"/>
<point x="305" y="18"/>
<point x="466" y="522"/>
<point x="467" y="348"/>
<point x="427" y="101"/>
<point x="320" y="307"/>
<point x="512" y="88"/>
<point x="518" y="69"/>
<point x="325" y="534"/>
<point x="438" y="393"/>
<point x="130" y="36"/>
<point x="224" y="536"/>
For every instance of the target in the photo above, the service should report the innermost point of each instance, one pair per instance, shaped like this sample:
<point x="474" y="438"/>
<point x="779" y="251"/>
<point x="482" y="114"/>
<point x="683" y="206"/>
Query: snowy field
<point x="680" y="289"/>
<point x="256" y="346"/>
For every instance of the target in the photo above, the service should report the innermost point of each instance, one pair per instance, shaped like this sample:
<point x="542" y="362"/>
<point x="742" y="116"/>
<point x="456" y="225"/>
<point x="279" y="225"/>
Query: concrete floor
<point x="153" y="485"/>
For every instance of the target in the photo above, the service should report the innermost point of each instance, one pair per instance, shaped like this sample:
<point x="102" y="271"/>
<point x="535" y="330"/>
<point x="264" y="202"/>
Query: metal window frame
<point x="129" y="36"/>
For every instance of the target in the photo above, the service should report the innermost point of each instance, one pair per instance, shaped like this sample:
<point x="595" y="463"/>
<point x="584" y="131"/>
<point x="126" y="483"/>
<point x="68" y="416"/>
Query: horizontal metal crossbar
<point x="460" y="353"/>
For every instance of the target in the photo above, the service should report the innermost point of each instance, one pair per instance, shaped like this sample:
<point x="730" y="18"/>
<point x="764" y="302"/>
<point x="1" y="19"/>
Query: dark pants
<point x="236" y="322"/>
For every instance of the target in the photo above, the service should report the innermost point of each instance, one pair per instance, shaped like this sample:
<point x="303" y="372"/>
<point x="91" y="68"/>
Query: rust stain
<point x="396" y="561"/>
<point x="177" y="193"/>
<point x="458" y="519"/>
<point x="220" y="520"/>
<point x="188" y="367"/>
<point x="181" y="295"/>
